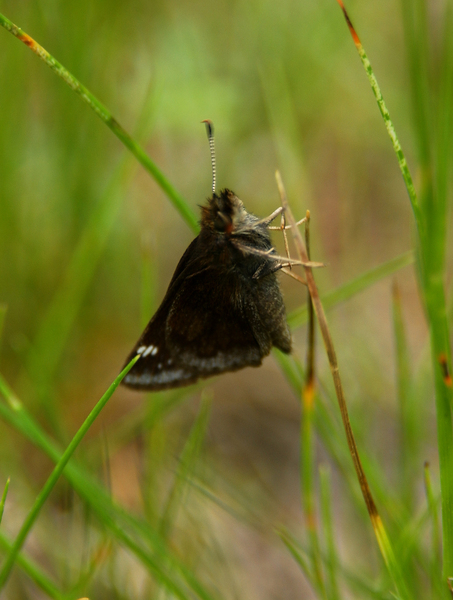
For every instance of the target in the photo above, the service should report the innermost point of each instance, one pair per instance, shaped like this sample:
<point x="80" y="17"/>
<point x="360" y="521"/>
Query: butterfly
<point x="223" y="309"/>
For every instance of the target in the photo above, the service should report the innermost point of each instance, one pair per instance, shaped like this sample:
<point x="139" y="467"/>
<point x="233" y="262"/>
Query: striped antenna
<point x="210" y="132"/>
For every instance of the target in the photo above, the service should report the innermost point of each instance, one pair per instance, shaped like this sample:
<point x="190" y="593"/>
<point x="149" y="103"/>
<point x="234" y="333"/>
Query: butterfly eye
<point x="222" y="222"/>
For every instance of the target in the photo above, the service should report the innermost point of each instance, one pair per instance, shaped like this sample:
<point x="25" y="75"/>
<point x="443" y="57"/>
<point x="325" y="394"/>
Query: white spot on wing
<point x="150" y="350"/>
<point x="140" y="350"/>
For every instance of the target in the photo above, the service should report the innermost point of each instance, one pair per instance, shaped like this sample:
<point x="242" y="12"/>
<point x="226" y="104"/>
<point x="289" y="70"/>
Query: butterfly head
<point x="225" y="214"/>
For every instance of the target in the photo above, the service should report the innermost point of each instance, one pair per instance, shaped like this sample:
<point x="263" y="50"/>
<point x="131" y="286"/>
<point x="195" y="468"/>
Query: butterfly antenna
<point x="210" y="132"/>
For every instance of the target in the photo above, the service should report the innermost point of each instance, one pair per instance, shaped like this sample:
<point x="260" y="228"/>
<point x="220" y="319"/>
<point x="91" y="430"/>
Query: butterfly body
<point x="223" y="309"/>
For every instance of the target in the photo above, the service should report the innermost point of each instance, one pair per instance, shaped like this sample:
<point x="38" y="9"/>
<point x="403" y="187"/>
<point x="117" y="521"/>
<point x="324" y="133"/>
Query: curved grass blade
<point x="388" y="124"/>
<point x="3" y="500"/>
<point x="55" y="475"/>
<point x="33" y="571"/>
<point x="130" y="531"/>
<point x="104" y="114"/>
<point x="299" y="316"/>
<point x="385" y="546"/>
<point x="430" y="223"/>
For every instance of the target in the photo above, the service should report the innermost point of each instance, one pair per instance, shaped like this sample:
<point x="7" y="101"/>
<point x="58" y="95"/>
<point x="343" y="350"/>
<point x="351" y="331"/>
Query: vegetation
<point x="243" y="486"/>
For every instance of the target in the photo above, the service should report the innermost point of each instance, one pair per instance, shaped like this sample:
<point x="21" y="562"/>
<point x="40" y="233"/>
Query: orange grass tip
<point x="445" y="372"/>
<point x="355" y="37"/>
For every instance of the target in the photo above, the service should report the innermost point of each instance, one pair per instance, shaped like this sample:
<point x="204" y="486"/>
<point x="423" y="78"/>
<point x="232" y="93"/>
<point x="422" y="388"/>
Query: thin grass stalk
<point x="301" y="560"/>
<point x="408" y="445"/>
<point x="435" y="558"/>
<point x="91" y="565"/>
<point x="435" y="293"/>
<point x="307" y="454"/>
<point x="444" y="129"/>
<point x="415" y="23"/>
<point x="343" y="292"/>
<point x="55" y="475"/>
<point x="3" y="310"/>
<point x="332" y="558"/>
<point x="329" y="429"/>
<point x="103" y="113"/>
<point x="126" y="528"/>
<point x="187" y="461"/>
<point x="431" y="245"/>
<point x="378" y="526"/>
<point x="291" y="369"/>
<point x="42" y="359"/>
<point x="47" y="348"/>
<point x="168" y="580"/>
<point x="358" y="582"/>
<point x="441" y="360"/>
<point x="3" y="500"/>
<point x="34" y="572"/>
<point x="389" y="126"/>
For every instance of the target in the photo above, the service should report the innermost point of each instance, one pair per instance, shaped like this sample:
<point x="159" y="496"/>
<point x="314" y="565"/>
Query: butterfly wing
<point x="205" y="325"/>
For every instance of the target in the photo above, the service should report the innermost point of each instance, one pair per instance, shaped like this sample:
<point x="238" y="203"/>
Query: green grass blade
<point x="104" y="114"/>
<point x="299" y="316"/>
<point x="389" y="126"/>
<point x="292" y="369"/>
<point x="332" y="561"/>
<point x="435" y="546"/>
<point x="55" y="328"/>
<point x="33" y="571"/>
<point x="307" y="481"/>
<point x="408" y="418"/>
<point x="3" y="500"/>
<point x="430" y="223"/>
<point x="299" y="557"/>
<point x="3" y="309"/>
<point x="444" y="155"/>
<point x="55" y="475"/>
<point x="415" y="23"/>
<point x="187" y="461"/>
<point x="444" y="401"/>
<point x="132" y="532"/>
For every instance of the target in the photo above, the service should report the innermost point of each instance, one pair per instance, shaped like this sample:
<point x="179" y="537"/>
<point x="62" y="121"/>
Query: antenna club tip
<point x="209" y="127"/>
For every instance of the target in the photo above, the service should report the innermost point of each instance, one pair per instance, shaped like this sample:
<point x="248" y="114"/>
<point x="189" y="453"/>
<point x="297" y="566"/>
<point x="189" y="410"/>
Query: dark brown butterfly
<point x="223" y="309"/>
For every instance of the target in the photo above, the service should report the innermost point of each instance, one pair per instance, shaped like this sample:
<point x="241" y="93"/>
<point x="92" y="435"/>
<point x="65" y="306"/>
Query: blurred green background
<point x="88" y="244"/>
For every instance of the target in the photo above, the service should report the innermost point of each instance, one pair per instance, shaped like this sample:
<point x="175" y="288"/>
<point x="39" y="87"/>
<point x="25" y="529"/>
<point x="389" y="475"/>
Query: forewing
<point x="201" y="329"/>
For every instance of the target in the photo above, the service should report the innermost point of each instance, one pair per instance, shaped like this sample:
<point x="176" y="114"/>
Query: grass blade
<point x="104" y="114"/>
<point x="133" y="533"/>
<point x="3" y="500"/>
<point x="187" y="460"/>
<point x="348" y="290"/>
<point x="430" y="219"/>
<point x="55" y="475"/>
<point x="332" y="561"/>
<point x="379" y="530"/>
<point x="33" y="571"/>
